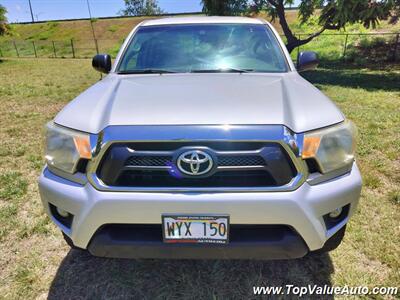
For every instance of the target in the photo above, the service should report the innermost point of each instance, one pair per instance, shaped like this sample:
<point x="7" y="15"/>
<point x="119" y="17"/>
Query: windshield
<point x="203" y="48"/>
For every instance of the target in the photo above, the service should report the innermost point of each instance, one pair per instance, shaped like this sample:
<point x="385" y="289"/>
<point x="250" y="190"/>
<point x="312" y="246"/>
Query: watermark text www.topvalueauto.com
<point x="308" y="290"/>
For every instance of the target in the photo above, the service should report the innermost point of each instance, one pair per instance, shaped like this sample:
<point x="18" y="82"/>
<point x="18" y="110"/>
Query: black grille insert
<point x="152" y="165"/>
<point x="240" y="160"/>
<point x="237" y="233"/>
<point x="140" y="178"/>
<point x="151" y="161"/>
<point x="223" y="160"/>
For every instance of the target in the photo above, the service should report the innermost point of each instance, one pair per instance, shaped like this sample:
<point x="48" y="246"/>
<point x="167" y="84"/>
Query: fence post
<point x="298" y="47"/>
<point x="34" y="48"/>
<point x="395" y="47"/>
<point x="345" y="47"/>
<point x="16" y="49"/>
<point x="54" y="50"/>
<point x="72" y="47"/>
<point x="97" y="46"/>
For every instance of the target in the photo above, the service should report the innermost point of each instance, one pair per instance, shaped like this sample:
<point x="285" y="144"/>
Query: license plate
<point x="195" y="229"/>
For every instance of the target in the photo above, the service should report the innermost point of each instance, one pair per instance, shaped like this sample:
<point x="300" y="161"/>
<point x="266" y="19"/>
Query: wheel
<point x="333" y="242"/>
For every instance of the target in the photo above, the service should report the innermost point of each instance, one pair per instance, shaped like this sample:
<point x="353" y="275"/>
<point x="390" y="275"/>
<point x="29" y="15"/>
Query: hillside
<point x="78" y="30"/>
<point x="113" y="28"/>
<point x="118" y="28"/>
<point x="53" y="39"/>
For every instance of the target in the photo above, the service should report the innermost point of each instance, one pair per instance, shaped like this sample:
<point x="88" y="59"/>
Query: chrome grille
<point x="139" y="165"/>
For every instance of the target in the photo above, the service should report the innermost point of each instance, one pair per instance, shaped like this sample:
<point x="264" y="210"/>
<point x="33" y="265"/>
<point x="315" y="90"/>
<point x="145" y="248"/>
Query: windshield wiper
<point x="146" y="71"/>
<point x="224" y="70"/>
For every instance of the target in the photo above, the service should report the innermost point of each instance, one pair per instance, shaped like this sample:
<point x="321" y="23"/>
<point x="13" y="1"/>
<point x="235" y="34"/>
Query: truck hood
<point x="183" y="99"/>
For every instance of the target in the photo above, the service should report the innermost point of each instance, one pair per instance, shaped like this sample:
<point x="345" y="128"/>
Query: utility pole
<point x="91" y="24"/>
<point x="30" y="7"/>
<point x="88" y="7"/>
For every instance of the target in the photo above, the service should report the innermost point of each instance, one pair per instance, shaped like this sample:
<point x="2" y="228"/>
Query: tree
<point x="395" y="12"/>
<point x="224" y="7"/>
<point x="3" y="20"/>
<point x="334" y="14"/>
<point x="141" y="8"/>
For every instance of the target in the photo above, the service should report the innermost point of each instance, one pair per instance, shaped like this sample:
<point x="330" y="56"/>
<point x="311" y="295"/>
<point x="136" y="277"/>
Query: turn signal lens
<point x="311" y="145"/>
<point x="82" y="145"/>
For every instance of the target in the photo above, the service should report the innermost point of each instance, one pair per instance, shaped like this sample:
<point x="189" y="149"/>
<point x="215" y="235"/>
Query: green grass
<point x="36" y="263"/>
<point x="12" y="185"/>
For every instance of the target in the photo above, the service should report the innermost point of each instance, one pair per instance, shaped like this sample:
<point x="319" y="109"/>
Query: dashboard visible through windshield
<point x="203" y="48"/>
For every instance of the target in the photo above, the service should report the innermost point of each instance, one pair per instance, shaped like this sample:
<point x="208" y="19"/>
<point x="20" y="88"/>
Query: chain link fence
<point x="58" y="49"/>
<point x="353" y="47"/>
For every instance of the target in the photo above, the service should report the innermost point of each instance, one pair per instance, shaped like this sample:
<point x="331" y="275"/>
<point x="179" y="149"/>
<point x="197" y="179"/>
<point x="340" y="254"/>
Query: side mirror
<point x="307" y="60"/>
<point x="102" y="63"/>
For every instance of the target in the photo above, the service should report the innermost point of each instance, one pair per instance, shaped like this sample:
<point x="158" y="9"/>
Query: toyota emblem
<point x="194" y="162"/>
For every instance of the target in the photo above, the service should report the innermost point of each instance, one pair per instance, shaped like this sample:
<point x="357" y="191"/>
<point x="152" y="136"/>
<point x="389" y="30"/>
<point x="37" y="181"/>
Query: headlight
<point x="332" y="148"/>
<point x="65" y="147"/>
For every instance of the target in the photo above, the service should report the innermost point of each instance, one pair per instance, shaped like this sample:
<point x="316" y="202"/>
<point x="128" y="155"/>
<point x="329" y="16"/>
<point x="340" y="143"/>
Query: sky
<point x="18" y="10"/>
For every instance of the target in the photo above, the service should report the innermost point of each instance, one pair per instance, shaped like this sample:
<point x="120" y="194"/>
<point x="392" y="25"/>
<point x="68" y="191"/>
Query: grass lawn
<point x="36" y="263"/>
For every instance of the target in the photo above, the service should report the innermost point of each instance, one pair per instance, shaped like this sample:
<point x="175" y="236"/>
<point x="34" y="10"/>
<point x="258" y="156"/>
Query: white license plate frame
<point x="195" y="229"/>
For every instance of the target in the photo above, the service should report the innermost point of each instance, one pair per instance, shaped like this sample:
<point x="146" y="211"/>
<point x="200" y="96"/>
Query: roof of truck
<point x="201" y="20"/>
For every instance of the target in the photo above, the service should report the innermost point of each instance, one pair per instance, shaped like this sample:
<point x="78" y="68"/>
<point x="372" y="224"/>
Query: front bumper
<point x="302" y="210"/>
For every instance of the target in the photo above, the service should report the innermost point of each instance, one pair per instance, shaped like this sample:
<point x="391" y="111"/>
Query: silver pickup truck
<point x="202" y="141"/>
